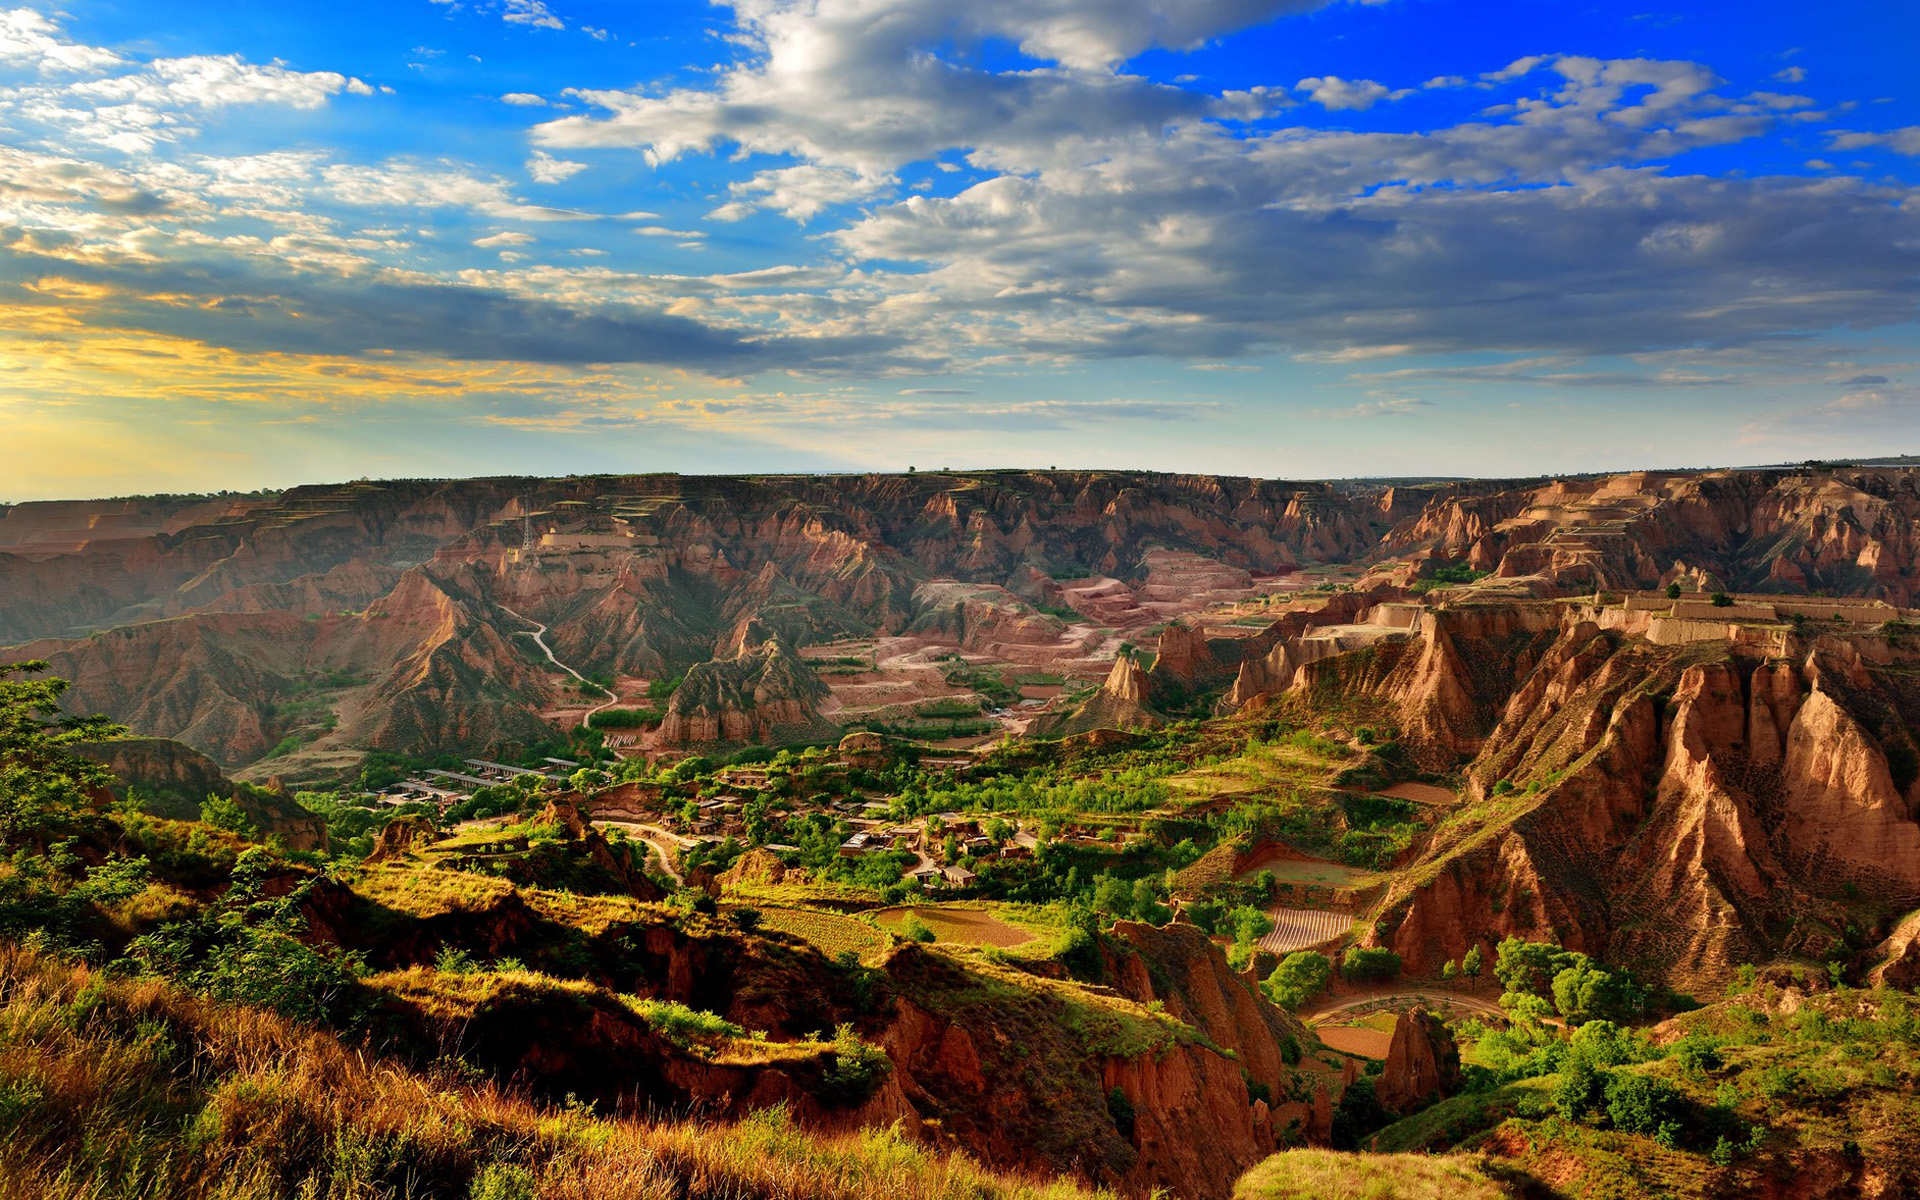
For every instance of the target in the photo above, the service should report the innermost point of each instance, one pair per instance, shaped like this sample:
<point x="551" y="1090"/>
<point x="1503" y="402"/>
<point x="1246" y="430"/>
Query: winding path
<point x="539" y="635"/>
<point x="662" y="841"/>
<point x="1335" y="1005"/>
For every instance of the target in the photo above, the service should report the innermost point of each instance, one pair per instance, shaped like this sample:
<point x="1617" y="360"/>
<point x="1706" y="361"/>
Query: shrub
<point x="1642" y="1104"/>
<point x="747" y="919"/>
<point x="1358" y="1114"/>
<point x="1369" y="964"/>
<point x="1720" y="600"/>
<point x="916" y="930"/>
<point x="858" y="1068"/>
<point x="502" y="1181"/>
<point x="1249" y="924"/>
<point x="1121" y="1110"/>
<point x="223" y="812"/>
<point x="1582" y="1088"/>
<point x="1299" y="977"/>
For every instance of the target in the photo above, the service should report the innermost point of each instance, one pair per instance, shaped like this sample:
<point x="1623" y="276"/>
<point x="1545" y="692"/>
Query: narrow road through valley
<point x="1334" y="1006"/>
<point x="539" y="635"/>
<point x="662" y="841"/>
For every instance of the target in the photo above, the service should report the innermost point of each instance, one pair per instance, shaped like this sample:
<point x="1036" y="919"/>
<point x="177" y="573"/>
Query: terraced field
<point x="962" y="926"/>
<point x="832" y="933"/>
<point x="1299" y="928"/>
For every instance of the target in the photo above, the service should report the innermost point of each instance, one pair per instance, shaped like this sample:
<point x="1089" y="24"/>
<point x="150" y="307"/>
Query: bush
<point x="916" y="930"/>
<point x="1720" y="600"/>
<point x="1582" y="1088"/>
<point x="1299" y="977"/>
<point x="1121" y="1110"/>
<point x="747" y="919"/>
<point x="1642" y="1104"/>
<point x="1369" y="964"/>
<point x="1358" y="1114"/>
<point x="857" y="1070"/>
<point x="502" y="1181"/>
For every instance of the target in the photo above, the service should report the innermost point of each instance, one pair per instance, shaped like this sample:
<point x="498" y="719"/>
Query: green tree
<point x="1673" y="590"/>
<point x="1299" y="977"/>
<point x="1369" y="964"/>
<point x="1472" y="963"/>
<point x="41" y="780"/>
<point x="1581" y="1089"/>
<point x="222" y="812"/>
<point x="1641" y="1103"/>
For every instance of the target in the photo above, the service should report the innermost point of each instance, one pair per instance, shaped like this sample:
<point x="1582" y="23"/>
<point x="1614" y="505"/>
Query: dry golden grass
<point x="1333" y="1175"/>
<point x="112" y="1090"/>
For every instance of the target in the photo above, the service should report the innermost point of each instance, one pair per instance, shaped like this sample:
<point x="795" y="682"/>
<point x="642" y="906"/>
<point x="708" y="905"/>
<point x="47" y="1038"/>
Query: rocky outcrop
<point x="1686" y="808"/>
<point x="172" y="780"/>
<point x="1123" y="702"/>
<point x="400" y="837"/>
<point x="1010" y="1080"/>
<point x="1423" y="1063"/>
<point x="766" y="695"/>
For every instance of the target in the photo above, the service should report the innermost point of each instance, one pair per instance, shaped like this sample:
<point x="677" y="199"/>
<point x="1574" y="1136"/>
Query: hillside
<point x="304" y="629"/>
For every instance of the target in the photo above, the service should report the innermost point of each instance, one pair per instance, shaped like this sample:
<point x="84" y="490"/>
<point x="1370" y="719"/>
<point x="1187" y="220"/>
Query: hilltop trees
<point x="39" y="778"/>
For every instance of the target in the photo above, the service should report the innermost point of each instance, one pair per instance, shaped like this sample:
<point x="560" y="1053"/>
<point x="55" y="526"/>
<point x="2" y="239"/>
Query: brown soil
<point x="965" y="926"/>
<point x="1420" y="793"/>
<point x="1356" y="1039"/>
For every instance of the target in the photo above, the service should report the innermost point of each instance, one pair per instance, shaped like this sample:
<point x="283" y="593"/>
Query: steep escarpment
<point x="1025" y="1076"/>
<point x="1678" y="807"/>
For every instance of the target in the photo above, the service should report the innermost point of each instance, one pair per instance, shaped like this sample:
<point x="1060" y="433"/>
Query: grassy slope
<point x="1331" y="1175"/>
<point x="115" y="1089"/>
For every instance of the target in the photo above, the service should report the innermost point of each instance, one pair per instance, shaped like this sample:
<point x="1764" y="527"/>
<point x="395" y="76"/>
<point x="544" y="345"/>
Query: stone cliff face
<point x="1680" y="808"/>
<point x="1007" y="1083"/>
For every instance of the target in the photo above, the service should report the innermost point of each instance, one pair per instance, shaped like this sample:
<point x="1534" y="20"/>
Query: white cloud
<point x="415" y="185"/>
<point x="801" y="192"/>
<point x="530" y="12"/>
<point x="1334" y="93"/>
<point x="860" y="84"/>
<point x="505" y="238"/>
<point x="524" y="99"/>
<point x="544" y="168"/>
<point x="134" y="106"/>
<point x="29" y="39"/>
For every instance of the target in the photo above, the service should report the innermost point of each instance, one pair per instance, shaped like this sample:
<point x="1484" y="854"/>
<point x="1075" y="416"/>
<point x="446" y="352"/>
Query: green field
<point x="830" y="932"/>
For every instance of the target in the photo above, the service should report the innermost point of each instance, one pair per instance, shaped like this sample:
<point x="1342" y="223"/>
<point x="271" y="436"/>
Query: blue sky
<point x="255" y="246"/>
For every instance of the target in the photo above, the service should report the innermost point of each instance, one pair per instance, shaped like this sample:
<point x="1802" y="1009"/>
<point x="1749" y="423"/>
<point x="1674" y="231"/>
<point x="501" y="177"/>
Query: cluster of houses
<point x="446" y="788"/>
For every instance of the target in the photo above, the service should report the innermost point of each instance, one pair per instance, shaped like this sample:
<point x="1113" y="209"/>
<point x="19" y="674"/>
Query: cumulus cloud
<point x="29" y="39"/>
<point x="861" y="85"/>
<point x="134" y="106"/>
<point x="416" y="185"/>
<point x="1334" y="93"/>
<point x="544" y="168"/>
<point x="524" y="100"/>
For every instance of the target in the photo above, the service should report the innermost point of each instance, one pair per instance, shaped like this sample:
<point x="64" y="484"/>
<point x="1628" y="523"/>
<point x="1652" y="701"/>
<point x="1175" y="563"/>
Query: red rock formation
<point x="1423" y="1064"/>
